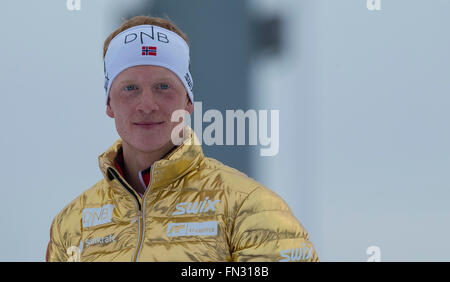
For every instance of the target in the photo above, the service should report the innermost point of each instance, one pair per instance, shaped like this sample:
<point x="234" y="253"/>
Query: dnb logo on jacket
<point x="97" y="216"/>
<point x="196" y="207"/>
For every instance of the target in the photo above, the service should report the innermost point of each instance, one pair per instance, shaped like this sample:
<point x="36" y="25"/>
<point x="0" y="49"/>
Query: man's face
<point x="142" y="100"/>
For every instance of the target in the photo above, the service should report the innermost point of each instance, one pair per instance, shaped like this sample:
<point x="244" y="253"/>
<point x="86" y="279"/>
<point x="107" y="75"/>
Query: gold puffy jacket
<point x="194" y="209"/>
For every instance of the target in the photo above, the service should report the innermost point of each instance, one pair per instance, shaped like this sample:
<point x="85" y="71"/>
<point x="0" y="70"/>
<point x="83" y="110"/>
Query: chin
<point x="150" y="143"/>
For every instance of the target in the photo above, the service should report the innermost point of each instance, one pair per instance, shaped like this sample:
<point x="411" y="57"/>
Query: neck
<point x="136" y="161"/>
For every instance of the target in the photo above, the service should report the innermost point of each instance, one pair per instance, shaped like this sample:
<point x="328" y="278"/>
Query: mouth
<point x="148" y="125"/>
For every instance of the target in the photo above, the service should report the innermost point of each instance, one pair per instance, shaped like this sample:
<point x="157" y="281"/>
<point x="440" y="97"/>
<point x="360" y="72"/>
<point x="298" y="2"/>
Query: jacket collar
<point x="171" y="167"/>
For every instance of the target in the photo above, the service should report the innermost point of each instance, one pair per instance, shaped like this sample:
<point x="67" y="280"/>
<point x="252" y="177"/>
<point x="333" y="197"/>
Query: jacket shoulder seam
<point x="243" y="201"/>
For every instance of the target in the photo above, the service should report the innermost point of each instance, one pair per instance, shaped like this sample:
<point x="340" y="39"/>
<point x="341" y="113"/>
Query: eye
<point x="130" y="87"/>
<point x="163" y="86"/>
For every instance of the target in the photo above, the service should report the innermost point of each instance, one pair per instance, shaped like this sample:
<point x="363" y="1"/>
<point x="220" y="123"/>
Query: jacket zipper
<point x="142" y="217"/>
<point x="141" y="213"/>
<point x="137" y="205"/>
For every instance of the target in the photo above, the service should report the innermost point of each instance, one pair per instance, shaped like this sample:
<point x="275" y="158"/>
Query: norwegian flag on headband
<point x="148" y="51"/>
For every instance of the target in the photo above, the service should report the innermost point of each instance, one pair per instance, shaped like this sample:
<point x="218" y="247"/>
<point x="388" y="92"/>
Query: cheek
<point x="167" y="109"/>
<point x="122" y="120"/>
<point x="177" y="104"/>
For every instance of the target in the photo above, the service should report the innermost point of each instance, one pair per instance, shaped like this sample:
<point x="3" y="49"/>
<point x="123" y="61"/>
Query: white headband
<point x="148" y="45"/>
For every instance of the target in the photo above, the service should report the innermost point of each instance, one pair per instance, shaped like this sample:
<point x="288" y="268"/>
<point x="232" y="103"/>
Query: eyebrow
<point x="126" y="81"/>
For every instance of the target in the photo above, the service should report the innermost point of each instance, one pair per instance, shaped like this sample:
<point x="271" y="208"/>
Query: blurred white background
<point x="363" y="101"/>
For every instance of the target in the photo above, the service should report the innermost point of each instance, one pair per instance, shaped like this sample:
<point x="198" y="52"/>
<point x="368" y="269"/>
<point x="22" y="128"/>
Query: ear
<point x="189" y="106"/>
<point x="109" y="110"/>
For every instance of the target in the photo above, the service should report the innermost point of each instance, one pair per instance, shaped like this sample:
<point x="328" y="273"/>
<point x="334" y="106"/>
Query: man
<point x="161" y="200"/>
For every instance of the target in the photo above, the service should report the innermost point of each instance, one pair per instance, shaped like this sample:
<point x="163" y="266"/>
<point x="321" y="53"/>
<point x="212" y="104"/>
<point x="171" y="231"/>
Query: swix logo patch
<point x="196" y="207"/>
<point x="192" y="229"/>
<point x="148" y="51"/>
<point x="297" y="254"/>
<point x="97" y="216"/>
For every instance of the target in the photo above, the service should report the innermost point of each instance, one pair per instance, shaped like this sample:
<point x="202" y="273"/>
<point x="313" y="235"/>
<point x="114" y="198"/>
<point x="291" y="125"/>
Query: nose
<point x="147" y="102"/>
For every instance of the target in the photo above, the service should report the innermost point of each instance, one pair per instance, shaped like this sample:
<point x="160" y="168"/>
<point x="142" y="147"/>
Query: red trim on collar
<point x="146" y="177"/>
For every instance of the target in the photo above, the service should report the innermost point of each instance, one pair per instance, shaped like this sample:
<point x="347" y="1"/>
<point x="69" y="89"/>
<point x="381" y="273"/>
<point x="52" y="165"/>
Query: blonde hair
<point x="139" y="20"/>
